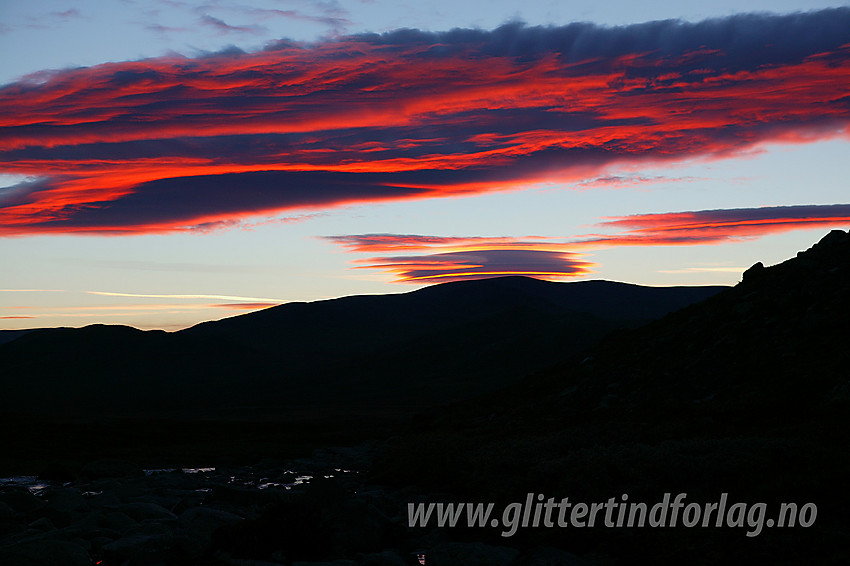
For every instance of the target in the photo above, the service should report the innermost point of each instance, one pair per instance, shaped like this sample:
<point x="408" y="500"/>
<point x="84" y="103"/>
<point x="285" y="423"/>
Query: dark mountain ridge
<point x="775" y="342"/>
<point x="745" y="393"/>
<point x="407" y="350"/>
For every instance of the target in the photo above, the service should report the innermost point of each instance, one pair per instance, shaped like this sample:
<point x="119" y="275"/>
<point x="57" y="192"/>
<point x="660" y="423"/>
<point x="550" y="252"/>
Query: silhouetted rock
<point x="753" y="272"/>
<point x="470" y="554"/>
<point x="42" y="524"/>
<point x="385" y="558"/>
<point x="138" y="548"/>
<point x="392" y="353"/>
<point x="145" y="511"/>
<point x="745" y="392"/>
<point x="20" y="499"/>
<point x="9" y="335"/>
<point x="548" y="556"/>
<point x="341" y="562"/>
<point x="118" y="521"/>
<point x="45" y="553"/>
<point x="198" y="525"/>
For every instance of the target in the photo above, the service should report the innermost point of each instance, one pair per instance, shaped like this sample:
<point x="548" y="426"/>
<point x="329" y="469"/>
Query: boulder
<point x="137" y="547"/>
<point x="332" y="563"/>
<point x="199" y="523"/>
<point x="385" y="558"/>
<point x="470" y="554"/>
<point x="65" y="499"/>
<point x="6" y="512"/>
<point x="20" y="499"/>
<point x="142" y="511"/>
<point x="45" y="553"/>
<point x="548" y="556"/>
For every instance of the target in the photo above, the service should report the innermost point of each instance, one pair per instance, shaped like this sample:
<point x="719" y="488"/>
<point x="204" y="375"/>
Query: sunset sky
<point x="164" y="162"/>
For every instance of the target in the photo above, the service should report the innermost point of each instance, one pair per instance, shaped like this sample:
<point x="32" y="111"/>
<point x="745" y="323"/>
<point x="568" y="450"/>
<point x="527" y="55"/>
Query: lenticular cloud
<point x="454" y="258"/>
<point x="175" y="143"/>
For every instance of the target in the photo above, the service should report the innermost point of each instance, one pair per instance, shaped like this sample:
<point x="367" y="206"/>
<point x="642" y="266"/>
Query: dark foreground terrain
<point x="298" y="375"/>
<point x="745" y="393"/>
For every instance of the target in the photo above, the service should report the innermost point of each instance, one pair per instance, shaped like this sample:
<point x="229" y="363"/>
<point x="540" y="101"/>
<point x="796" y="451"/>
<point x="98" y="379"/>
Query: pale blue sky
<point x="51" y="278"/>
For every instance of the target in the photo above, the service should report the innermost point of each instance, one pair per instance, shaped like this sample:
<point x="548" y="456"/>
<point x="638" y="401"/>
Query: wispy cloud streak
<point x="617" y="181"/>
<point x="414" y="242"/>
<point x="244" y="306"/>
<point x="220" y="297"/>
<point x="181" y="144"/>
<point x="444" y="258"/>
<point x="717" y="226"/>
<point x="223" y="27"/>
<point x="332" y="19"/>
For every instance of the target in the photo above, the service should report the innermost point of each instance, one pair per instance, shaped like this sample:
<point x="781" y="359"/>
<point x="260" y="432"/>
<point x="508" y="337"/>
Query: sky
<point x="166" y="162"/>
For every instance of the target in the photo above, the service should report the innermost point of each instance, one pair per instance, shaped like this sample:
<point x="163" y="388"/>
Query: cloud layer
<point x="451" y="258"/>
<point x="717" y="226"/>
<point x="481" y="263"/>
<point x="174" y="143"/>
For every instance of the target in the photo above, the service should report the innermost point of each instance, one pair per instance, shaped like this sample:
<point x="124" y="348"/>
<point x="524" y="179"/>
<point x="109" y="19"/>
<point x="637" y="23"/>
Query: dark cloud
<point x="191" y="200"/>
<point x="65" y="15"/>
<point x="465" y="257"/>
<point x="224" y="27"/>
<point x="164" y="30"/>
<point x="333" y="21"/>
<point x="721" y="225"/>
<point x="157" y="144"/>
<point x="740" y="41"/>
<point x="481" y="263"/>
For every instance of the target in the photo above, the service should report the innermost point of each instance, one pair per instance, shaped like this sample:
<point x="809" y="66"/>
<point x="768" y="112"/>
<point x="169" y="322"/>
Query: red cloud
<point x="394" y="242"/>
<point x="173" y="143"/>
<point x="481" y="264"/>
<point x="465" y="257"/>
<point x="712" y="226"/>
<point x="472" y="257"/>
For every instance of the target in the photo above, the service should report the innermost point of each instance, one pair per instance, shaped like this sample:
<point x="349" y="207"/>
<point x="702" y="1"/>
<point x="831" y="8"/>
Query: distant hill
<point x="9" y="335"/>
<point x="392" y="353"/>
<point x="775" y="343"/>
<point x="746" y="393"/>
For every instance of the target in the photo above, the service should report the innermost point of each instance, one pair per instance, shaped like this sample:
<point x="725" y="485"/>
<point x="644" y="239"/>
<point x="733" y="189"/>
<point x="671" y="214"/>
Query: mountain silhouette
<point x="591" y="391"/>
<point x="746" y="393"/>
<point x="399" y="352"/>
<point x="774" y="343"/>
